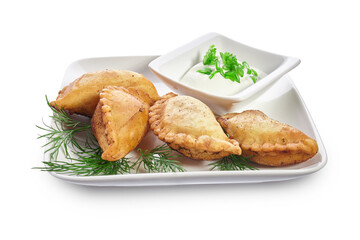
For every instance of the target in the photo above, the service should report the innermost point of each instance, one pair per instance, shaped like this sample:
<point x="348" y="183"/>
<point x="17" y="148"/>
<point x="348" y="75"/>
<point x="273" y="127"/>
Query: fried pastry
<point x="82" y="95"/>
<point x="270" y="142"/>
<point x="120" y="121"/>
<point x="188" y="126"/>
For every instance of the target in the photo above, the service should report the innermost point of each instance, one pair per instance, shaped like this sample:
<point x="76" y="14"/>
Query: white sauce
<point x="218" y="84"/>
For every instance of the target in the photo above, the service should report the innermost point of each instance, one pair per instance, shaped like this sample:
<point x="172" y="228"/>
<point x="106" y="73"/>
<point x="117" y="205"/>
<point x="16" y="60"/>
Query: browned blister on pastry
<point x="270" y="142"/>
<point x="120" y="121"/>
<point x="188" y="126"/>
<point x="82" y="95"/>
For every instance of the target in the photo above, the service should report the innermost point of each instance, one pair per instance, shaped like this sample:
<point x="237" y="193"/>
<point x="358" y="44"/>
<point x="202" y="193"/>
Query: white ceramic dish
<point x="282" y="102"/>
<point x="171" y="67"/>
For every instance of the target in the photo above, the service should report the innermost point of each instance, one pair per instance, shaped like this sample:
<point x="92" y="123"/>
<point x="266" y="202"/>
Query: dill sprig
<point x="87" y="161"/>
<point x="233" y="163"/>
<point x="61" y="134"/>
<point x="159" y="159"/>
<point x="87" y="164"/>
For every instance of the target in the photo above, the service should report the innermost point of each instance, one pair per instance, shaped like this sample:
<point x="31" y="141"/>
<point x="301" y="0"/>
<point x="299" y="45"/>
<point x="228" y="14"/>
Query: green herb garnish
<point x="206" y="71"/>
<point x="233" y="163"/>
<point x="231" y="69"/>
<point x="159" y="160"/>
<point x="210" y="57"/>
<point x="62" y="133"/>
<point x="88" y="165"/>
<point x="87" y="161"/>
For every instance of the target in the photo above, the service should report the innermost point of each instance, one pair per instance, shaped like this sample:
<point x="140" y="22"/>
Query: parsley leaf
<point x="231" y="69"/>
<point x="210" y="57"/>
<point x="206" y="71"/>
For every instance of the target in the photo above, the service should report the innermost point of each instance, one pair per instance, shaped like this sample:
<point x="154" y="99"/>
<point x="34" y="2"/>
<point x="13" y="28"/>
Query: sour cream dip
<point x="217" y="85"/>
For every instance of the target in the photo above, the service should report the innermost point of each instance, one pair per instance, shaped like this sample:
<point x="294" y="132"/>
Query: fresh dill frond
<point x="159" y="159"/>
<point x="86" y="160"/>
<point x="87" y="167"/>
<point x="233" y="163"/>
<point x="61" y="134"/>
<point x="87" y="164"/>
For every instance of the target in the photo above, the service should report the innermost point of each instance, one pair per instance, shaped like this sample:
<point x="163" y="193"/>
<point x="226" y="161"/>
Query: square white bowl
<point x="171" y="67"/>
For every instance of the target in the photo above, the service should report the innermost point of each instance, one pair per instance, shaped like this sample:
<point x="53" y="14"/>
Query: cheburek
<point x="188" y="126"/>
<point x="120" y="121"/>
<point x="270" y="142"/>
<point x="82" y="95"/>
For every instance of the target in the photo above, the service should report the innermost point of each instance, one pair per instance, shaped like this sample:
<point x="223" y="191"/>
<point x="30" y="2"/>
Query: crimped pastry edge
<point x="107" y="117"/>
<point x="183" y="141"/>
<point x="305" y="146"/>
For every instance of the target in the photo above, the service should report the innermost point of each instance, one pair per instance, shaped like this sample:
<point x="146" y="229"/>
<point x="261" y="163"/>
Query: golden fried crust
<point x="120" y="121"/>
<point x="270" y="142"/>
<point x="82" y="95"/>
<point x="189" y="127"/>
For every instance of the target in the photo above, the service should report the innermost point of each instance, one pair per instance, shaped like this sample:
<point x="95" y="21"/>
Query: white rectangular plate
<point x="281" y="102"/>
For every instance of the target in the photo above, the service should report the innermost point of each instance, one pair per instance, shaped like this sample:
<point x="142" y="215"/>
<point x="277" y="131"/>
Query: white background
<point x="40" y="38"/>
